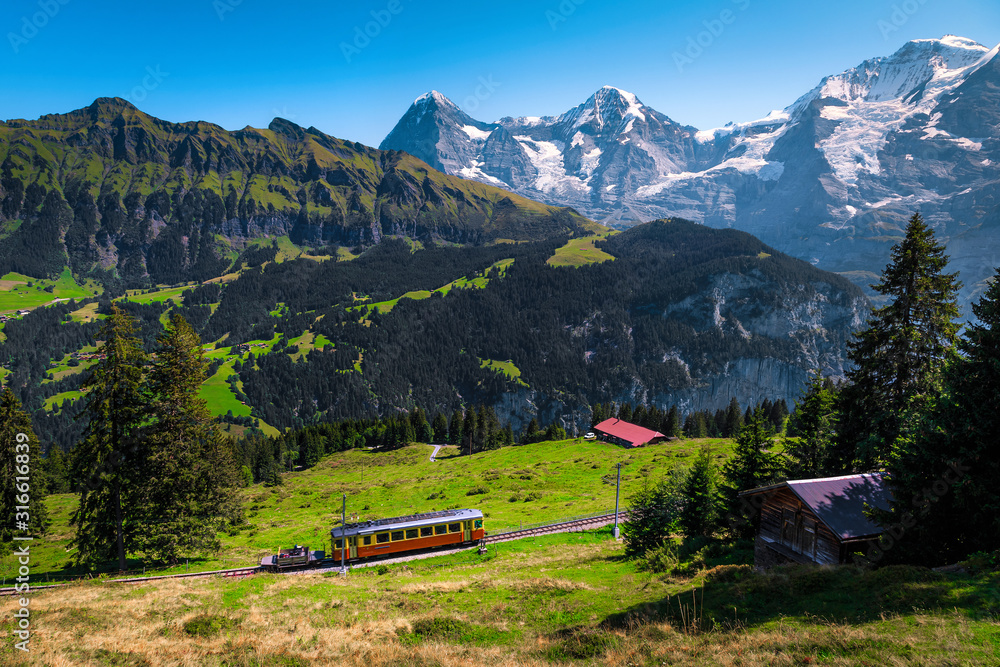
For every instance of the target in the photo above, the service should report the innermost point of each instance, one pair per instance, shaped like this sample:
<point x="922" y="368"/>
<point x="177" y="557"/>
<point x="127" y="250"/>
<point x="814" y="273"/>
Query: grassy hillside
<point x="108" y="187"/>
<point x="559" y="599"/>
<point x="540" y="482"/>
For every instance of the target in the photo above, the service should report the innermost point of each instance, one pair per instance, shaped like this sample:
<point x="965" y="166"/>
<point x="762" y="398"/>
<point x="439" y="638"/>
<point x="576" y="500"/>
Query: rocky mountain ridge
<point x="110" y="189"/>
<point x="831" y="178"/>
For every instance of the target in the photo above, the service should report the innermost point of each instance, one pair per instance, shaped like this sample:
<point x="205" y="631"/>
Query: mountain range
<point x="831" y="178"/>
<point x="110" y="189"/>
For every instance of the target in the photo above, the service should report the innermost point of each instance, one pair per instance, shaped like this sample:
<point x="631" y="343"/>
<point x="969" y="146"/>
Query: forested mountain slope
<point x="682" y="314"/>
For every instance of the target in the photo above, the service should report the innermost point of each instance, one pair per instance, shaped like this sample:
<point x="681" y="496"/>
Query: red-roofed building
<point x="626" y="434"/>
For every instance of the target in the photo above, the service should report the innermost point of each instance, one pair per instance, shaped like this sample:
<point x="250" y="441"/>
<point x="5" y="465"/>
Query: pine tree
<point x="816" y="420"/>
<point x="109" y="463"/>
<point x="191" y="486"/>
<point x="898" y="358"/>
<point x="749" y="467"/>
<point x="471" y="428"/>
<point x="734" y="419"/>
<point x="698" y="511"/>
<point x="21" y="457"/>
<point x="672" y="423"/>
<point x="57" y="471"/>
<point x="456" y="429"/>
<point x="653" y="513"/>
<point x="946" y="475"/>
<point x="440" y="428"/>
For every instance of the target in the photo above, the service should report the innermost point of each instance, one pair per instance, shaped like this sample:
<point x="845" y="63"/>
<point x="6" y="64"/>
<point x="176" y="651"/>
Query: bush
<point x="383" y="569"/>
<point x="723" y="573"/>
<point x="661" y="559"/>
<point x="581" y="644"/>
<point x="477" y="491"/>
<point x="534" y="495"/>
<point x="207" y="625"/>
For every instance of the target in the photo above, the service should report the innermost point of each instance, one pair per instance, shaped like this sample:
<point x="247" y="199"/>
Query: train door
<point x="352" y="541"/>
<point x="468" y="530"/>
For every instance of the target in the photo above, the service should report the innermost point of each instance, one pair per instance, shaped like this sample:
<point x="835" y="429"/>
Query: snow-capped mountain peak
<point x="838" y="169"/>
<point x="434" y="97"/>
<point x="609" y="109"/>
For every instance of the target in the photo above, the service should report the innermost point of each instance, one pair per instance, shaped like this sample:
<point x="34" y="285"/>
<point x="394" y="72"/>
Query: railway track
<point x="506" y="536"/>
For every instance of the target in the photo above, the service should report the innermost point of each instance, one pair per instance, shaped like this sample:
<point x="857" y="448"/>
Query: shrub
<point x="477" y="491"/>
<point x="724" y="573"/>
<point x="661" y="559"/>
<point x="534" y="495"/>
<point x="207" y="625"/>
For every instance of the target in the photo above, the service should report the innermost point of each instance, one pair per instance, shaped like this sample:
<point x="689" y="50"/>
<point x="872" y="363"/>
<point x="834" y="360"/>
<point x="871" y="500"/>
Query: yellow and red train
<point x="381" y="537"/>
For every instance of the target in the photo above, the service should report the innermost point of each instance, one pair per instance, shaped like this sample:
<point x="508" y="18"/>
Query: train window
<point x="440" y="530"/>
<point x="366" y="540"/>
<point x="426" y="531"/>
<point x="382" y="538"/>
<point x="411" y="533"/>
<point x="337" y="545"/>
<point x="397" y="535"/>
<point x="479" y="523"/>
<point x="454" y="527"/>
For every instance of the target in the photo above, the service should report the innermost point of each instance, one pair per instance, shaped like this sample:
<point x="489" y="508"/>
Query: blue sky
<point x="242" y="62"/>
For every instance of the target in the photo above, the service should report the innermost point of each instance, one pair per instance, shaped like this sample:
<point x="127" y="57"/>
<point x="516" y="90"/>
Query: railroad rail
<point x="504" y="535"/>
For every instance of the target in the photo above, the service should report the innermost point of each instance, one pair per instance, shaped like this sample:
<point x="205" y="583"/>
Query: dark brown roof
<point x="839" y="502"/>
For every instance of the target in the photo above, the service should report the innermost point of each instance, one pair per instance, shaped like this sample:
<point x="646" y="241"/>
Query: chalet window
<point x="787" y="527"/>
<point x="426" y="531"/>
<point x="807" y="541"/>
<point x="397" y="535"/>
<point x="411" y="533"/>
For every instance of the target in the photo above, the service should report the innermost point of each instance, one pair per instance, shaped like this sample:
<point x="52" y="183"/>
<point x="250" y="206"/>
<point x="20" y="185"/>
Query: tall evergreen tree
<point x="898" y="358"/>
<point x="749" y="467"/>
<point x="699" y="510"/>
<point x="471" y="429"/>
<point x="440" y="428"/>
<point x="815" y="420"/>
<point x="109" y="463"/>
<point x="192" y="482"/>
<point x="456" y="428"/>
<point x="734" y="419"/>
<point x="947" y="471"/>
<point x="21" y="458"/>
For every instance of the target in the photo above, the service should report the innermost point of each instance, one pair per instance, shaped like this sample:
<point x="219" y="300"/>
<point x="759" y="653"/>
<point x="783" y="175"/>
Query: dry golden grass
<point x="372" y="620"/>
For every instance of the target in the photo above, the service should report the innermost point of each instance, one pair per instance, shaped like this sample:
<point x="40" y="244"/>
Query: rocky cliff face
<point x="830" y="179"/>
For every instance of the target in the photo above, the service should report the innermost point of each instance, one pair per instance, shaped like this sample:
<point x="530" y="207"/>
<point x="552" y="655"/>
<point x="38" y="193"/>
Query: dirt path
<point x="437" y="448"/>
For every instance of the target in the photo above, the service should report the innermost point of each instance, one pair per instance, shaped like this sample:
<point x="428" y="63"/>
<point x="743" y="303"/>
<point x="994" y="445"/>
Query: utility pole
<point x="343" y="538"/>
<point x="618" y="486"/>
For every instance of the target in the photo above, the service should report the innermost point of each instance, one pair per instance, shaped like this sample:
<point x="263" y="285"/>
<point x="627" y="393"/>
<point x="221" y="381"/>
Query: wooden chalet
<point x="626" y="434"/>
<point x="816" y="520"/>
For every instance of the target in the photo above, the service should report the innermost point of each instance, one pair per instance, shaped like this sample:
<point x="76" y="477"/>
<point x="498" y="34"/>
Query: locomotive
<point x="372" y="539"/>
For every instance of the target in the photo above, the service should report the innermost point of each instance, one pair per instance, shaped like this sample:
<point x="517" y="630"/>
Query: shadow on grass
<point x="736" y="596"/>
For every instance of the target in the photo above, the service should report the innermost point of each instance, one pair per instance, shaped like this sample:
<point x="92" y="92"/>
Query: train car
<point x="406" y="533"/>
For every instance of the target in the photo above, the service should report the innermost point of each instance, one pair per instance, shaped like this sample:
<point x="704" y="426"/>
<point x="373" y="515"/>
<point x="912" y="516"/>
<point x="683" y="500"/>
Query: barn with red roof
<point x="626" y="434"/>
